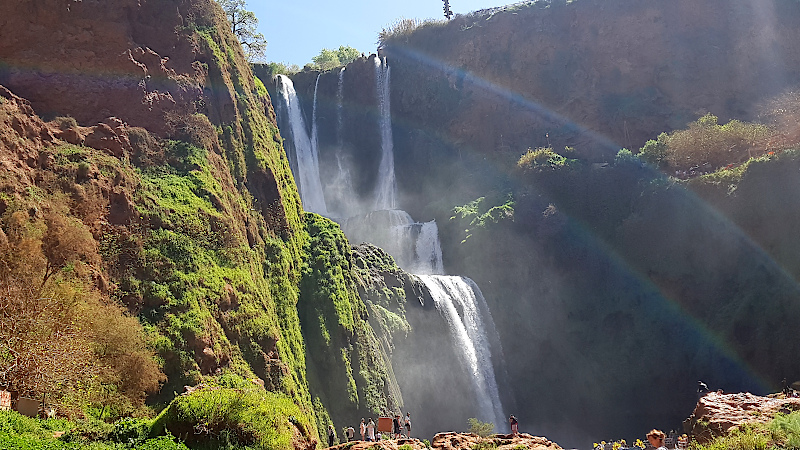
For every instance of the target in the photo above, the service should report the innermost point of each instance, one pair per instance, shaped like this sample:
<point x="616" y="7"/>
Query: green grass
<point x="22" y="433"/>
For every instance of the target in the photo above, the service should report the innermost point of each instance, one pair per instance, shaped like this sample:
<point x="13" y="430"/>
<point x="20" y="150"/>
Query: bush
<point x="57" y="334"/>
<point x="706" y="146"/>
<point x="625" y="156"/>
<point x="402" y="29"/>
<point x="542" y="158"/>
<point x="329" y="59"/>
<point x="65" y="122"/>
<point x="482" y="429"/>
<point x="241" y="417"/>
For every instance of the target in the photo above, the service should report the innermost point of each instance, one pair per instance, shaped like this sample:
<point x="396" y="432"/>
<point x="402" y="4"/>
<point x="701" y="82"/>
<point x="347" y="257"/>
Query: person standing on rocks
<point x="351" y="433"/>
<point x="363" y="429"/>
<point x="408" y="425"/>
<point x="371" y="430"/>
<point x="331" y="435"/>
<point x="514" y="425"/>
<point x="396" y="427"/>
<point x="656" y="439"/>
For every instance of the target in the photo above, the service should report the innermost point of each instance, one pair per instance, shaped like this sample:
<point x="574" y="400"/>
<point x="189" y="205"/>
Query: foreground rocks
<point x="458" y="441"/>
<point x="716" y="414"/>
<point x="466" y="441"/>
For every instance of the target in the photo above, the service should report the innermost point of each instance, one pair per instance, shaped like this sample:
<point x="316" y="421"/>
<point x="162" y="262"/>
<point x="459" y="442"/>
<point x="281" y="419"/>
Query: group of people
<point x="369" y="431"/>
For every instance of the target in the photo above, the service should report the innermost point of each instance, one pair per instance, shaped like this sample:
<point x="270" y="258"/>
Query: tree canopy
<point x="329" y="59"/>
<point x="244" y="25"/>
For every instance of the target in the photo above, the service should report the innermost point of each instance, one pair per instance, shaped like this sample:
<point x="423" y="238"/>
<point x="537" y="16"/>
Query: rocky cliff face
<point x="598" y="270"/>
<point x="142" y="121"/>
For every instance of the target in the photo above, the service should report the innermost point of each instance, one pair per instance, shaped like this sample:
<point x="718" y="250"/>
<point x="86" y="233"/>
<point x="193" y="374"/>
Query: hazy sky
<point x="297" y="30"/>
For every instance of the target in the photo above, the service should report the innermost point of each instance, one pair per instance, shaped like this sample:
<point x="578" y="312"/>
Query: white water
<point x="414" y="246"/>
<point x="386" y="186"/>
<point x="428" y="250"/>
<point x="305" y="149"/>
<point x="342" y="185"/>
<point x="461" y="304"/>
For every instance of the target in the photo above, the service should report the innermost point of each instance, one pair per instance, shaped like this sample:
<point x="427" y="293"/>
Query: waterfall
<point x="461" y="304"/>
<point x="414" y="246"/>
<point x="339" y="103"/>
<point x="342" y="185"/>
<point x="428" y="250"/>
<point x="386" y="186"/>
<point x="306" y="167"/>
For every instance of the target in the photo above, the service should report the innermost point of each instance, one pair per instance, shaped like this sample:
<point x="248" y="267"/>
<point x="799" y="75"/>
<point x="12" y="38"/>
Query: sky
<point x="296" y="30"/>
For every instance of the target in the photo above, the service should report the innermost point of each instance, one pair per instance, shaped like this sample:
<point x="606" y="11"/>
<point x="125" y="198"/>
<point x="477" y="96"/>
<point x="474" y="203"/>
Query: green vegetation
<point x="59" y="336"/>
<point x="543" y="159"/>
<point x="482" y="429"/>
<point x="247" y="416"/>
<point x="706" y="145"/>
<point x="243" y="25"/>
<point x="482" y="213"/>
<point x="340" y="342"/>
<point x="329" y="59"/>
<point x="23" y="433"/>
<point x="282" y="68"/>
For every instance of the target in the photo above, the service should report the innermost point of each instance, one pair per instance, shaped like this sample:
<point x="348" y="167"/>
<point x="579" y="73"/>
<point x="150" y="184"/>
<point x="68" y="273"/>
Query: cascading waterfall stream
<point x="386" y="188"/>
<point x="415" y="246"/>
<point x="461" y="303"/>
<point x="306" y="170"/>
<point x="342" y="183"/>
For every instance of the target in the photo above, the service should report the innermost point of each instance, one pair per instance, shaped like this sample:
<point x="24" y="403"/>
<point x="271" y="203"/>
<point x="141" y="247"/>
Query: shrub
<point x="542" y="158"/>
<point x="329" y="59"/>
<point x="282" y="68"/>
<point x="706" y="145"/>
<point x="482" y="429"/>
<point x="402" y="29"/>
<point x="65" y="122"/>
<point x="654" y="152"/>
<point x="195" y="129"/>
<point x="146" y="149"/>
<point x="625" y="156"/>
<point x="57" y="334"/>
<point x="239" y="417"/>
<point x="786" y="427"/>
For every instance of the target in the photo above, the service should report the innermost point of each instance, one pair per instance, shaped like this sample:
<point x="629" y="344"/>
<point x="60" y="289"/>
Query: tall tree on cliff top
<point x="244" y="24"/>
<point x="448" y="13"/>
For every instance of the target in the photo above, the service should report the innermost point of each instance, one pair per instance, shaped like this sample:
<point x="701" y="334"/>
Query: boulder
<point x="717" y="413"/>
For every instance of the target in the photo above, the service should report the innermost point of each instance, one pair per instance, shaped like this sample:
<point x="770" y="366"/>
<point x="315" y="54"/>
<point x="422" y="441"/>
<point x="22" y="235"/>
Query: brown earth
<point x="91" y="60"/>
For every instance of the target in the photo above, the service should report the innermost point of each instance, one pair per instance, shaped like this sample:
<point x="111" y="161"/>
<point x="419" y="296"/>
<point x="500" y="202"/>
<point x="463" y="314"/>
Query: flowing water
<point x="415" y="246"/>
<point x="305" y="158"/>
<point x="386" y="186"/>
<point x="461" y="304"/>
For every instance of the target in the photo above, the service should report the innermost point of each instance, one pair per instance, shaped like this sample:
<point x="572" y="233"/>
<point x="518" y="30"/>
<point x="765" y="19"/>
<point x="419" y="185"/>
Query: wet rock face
<point x="716" y="414"/>
<point x="93" y="59"/>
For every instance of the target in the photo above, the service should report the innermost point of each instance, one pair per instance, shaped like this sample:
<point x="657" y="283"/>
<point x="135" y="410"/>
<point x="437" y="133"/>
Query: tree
<point x="329" y="59"/>
<point x="448" y="13"/>
<point x="61" y="337"/>
<point x="244" y="24"/>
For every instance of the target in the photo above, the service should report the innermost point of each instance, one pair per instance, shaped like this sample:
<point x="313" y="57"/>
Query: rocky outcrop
<point x="458" y="441"/>
<point x="465" y="441"/>
<point x="91" y="59"/>
<point x="717" y="414"/>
